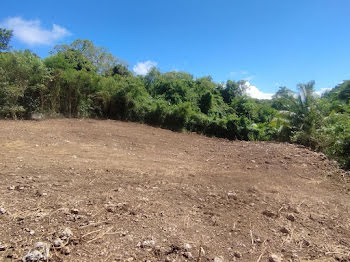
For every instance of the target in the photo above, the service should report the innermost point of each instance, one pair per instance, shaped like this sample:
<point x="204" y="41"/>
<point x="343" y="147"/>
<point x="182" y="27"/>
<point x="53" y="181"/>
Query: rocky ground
<point x="88" y="190"/>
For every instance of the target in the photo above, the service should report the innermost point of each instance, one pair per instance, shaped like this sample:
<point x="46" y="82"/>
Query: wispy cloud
<point x="142" y="68"/>
<point x="31" y="32"/>
<point x="249" y="78"/>
<point x="254" y="92"/>
<point x="243" y="74"/>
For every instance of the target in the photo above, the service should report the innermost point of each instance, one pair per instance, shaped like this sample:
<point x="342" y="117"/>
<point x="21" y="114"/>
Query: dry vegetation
<point x="114" y="191"/>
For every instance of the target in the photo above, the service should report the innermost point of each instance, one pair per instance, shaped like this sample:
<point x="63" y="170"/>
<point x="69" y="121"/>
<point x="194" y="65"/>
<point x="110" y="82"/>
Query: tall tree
<point x="283" y="98"/>
<point x="232" y="89"/>
<point x="344" y="94"/>
<point x="5" y="37"/>
<point x="100" y="57"/>
<point x="23" y="78"/>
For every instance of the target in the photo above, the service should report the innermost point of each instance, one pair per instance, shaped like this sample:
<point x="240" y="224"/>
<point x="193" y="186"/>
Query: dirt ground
<point x="115" y="191"/>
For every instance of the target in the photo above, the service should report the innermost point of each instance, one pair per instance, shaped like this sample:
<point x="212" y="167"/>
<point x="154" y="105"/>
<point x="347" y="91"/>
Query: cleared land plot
<point x="130" y="192"/>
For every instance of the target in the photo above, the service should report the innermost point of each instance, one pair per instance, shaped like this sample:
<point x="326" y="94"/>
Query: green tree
<point x="23" y="79"/>
<point x="283" y="98"/>
<point x="334" y="137"/>
<point x="5" y="37"/>
<point x="344" y="94"/>
<point x="302" y="116"/>
<point x="206" y="102"/>
<point x="121" y="70"/>
<point x="100" y="57"/>
<point x="69" y="59"/>
<point x="232" y="90"/>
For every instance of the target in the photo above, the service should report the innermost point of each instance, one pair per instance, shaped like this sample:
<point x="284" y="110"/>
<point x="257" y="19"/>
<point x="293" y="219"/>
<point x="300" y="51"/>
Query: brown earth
<point x="130" y="192"/>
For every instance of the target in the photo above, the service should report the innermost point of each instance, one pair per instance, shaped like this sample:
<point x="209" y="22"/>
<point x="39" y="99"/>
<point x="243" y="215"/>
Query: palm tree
<point x="299" y="117"/>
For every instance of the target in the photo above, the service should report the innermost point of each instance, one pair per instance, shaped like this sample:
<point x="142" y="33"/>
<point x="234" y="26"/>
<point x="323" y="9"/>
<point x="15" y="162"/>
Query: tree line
<point x="83" y="80"/>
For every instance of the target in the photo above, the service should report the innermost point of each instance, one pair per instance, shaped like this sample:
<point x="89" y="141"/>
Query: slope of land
<point x="128" y="192"/>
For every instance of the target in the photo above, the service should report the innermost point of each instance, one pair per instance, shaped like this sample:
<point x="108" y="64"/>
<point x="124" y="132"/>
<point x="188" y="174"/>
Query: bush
<point x="178" y="116"/>
<point x="157" y="113"/>
<point x="334" y="138"/>
<point x="217" y="127"/>
<point x="197" y="123"/>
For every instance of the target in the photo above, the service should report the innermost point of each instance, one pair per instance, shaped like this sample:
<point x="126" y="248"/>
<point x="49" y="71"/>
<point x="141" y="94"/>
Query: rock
<point x="237" y="254"/>
<point x="75" y="211"/>
<point x="34" y="255"/>
<point x="269" y="213"/>
<point x="123" y="234"/>
<point x="258" y="240"/>
<point x="253" y="190"/>
<point x="187" y="247"/>
<point x="19" y="188"/>
<point x="39" y="252"/>
<point x="275" y="258"/>
<point x="158" y="251"/>
<point x="66" y="234"/>
<point x="306" y="243"/>
<point x="218" y="259"/>
<point x="188" y="255"/>
<point x="42" y="246"/>
<point x="3" y="247"/>
<point x="290" y="217"/>
<point x="65" y="251"/>
<point x="148" y="243"/>
<point x="31" y="232"/>
<point x="57" y="243"/>
<point x="110" y="209"/>
<point x="231" y="195"/>
<point x="11" y="187"/>
<point x="2" y="210"/>
<point x="284" y="230"/>
<point x="39" y="193"/>
<point x="37" y="116"/>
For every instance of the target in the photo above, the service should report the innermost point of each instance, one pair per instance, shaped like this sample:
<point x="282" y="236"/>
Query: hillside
<point x="116" y="191"/>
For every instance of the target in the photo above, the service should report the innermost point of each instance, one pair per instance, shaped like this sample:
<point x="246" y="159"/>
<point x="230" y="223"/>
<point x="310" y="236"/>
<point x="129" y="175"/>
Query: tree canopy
<point x="84" y="80"/>
<point x="5" y="37"/>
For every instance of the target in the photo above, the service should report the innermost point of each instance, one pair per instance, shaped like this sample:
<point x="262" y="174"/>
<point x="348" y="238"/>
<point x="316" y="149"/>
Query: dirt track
<point x="131" y="192"/>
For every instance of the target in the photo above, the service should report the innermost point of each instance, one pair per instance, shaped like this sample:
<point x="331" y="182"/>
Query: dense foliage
<point x="5" y="37"/>
<point x="82" y="80"/>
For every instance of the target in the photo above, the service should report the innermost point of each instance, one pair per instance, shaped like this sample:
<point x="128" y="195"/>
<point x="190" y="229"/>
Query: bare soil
<point x="131" y="192"/>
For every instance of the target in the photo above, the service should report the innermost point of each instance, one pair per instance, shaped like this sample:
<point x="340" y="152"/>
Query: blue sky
<point x="268" y="42"/>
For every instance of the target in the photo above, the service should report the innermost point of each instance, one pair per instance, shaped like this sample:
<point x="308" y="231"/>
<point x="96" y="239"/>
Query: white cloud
<point x="323" y="90"/>
<point x="142" y="68"/>
<point x="254" y="92"/>
<point x="243" y="74"/>
<point x="248" y="78"/>
<point x="31" y="32"/>
<point x="238" y="73"/>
